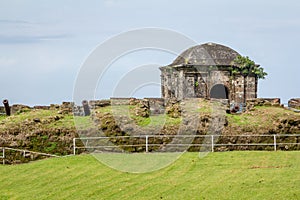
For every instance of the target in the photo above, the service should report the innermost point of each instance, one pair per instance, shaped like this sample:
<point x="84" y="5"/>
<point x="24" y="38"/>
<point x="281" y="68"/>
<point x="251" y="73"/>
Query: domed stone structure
<point x="205" y="71"/>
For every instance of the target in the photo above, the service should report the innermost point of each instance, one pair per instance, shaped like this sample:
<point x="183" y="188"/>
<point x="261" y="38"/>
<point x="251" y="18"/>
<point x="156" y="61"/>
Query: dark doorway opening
<point x="219" y="91"/>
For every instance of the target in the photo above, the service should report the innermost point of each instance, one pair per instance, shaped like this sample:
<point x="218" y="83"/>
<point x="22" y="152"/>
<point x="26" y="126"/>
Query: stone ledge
<point x="262" y="102"/>
<point x="294" y="103"/>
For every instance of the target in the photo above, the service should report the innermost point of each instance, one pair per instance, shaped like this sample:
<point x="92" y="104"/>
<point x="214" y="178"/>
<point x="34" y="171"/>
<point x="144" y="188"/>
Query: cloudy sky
<point x="43" y="44"/>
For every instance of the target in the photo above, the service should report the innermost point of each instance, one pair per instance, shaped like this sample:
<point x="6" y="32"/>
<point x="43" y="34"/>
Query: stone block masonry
<point x="206" y="71"/>
<point x="294" y="103"/>
<point x="2" y="110"/>
<point x="251" y="103"/>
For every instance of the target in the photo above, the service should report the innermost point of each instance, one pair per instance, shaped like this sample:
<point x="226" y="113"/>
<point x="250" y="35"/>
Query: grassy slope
<point x="227" y="175"/>
<point x="259" y="120"/>
<point x="46" y="117"/>
<point x="54" y="130"/>
<point x="152" y="121"/>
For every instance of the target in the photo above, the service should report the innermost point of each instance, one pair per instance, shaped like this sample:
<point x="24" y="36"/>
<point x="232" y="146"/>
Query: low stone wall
<point x="294" y="103"/>
<point x="94" y="104"/>
<point x="2" y="110"/>
<point x="120" y="101"/>
<point x="262" y="102"/>
<point x="64" y="108"/>
<point x="41" y="107"/>
<point x="17" y="108"/>
<point x="143" y="107"/>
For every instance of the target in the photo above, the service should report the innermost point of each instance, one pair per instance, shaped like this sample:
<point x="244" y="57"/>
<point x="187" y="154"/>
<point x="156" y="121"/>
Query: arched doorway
<point x="219" y="91"/>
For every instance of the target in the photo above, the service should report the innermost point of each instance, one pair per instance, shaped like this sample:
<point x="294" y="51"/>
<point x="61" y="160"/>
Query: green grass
<point x="65" y="121"/>
<point x="156" y="120"/>
<point x="2" y="117"/>
<point x="239" y="119"/>
<point x="105" y="109"/>
<point x="223" y="175"/>
<point x="31" y="115"/>
<point x="43" y="115"/>
<point x="261" y="117"/>
<point x="83" y="122"/>
<point x="152" y="121"/>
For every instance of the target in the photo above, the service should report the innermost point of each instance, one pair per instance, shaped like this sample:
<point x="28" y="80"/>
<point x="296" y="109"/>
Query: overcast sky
<point x="43" y="43"/>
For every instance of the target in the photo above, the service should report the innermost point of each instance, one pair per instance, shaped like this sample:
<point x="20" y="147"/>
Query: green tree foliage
<point x="245" y="66"/>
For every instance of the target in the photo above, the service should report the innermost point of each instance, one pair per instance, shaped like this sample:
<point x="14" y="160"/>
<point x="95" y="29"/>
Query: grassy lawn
<point x="224" y="175"/>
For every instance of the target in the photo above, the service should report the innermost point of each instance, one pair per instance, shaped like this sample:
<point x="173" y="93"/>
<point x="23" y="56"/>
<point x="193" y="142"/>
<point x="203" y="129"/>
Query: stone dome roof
<point x="207" y="54"/>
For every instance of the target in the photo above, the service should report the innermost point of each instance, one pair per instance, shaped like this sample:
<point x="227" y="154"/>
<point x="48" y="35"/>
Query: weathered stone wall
<point x="201" y="86"/>
<point x="41" y="107"/>
<point x="294" y="103"/>
<point x="99" y="103"/>
<point x="172" y="83"/>
<point x="243" y="87"/>
<point x="219" y="77"/>
<point x="18" y="108"/>
<point x="54" y="106"/>
<point x="197" y="82"/>
<point x="2" y="110"/>
<point x="251" y="87"/>
<point x="237" y="90"/>
<point x="119" y="101"/>
<point x="64" y="108"/>
<point x="262" y="102"/>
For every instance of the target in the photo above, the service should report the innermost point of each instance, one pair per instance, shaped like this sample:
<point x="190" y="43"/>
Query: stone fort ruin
<point x="205" y="71"/>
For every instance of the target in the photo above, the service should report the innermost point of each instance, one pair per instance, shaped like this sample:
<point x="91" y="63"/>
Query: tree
<point x="246" y="67"/>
